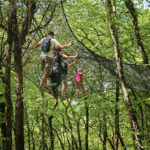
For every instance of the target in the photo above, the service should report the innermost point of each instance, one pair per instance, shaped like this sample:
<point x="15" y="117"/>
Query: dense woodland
<point x="112" y="38"/>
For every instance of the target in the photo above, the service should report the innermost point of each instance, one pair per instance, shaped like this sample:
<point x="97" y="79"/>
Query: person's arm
<point x="65" y="46"/>
<point x="71" y="77"/>
<point x="69" y="65"/>
<point x="85" y="71"/>
<point x="36" y="44"/>
<point x="69" y="57"/>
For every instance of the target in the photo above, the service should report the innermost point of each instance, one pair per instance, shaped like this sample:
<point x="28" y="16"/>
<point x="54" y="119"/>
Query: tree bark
<point x="8" y="78"/>
<point x="74" y="142"/>
<point x="132" y="11"/>
<point x="116" y="136"/>
<point x="86" y="125"/>
<point x="3" y="124"/>
<point x="79" y="136"/>
<point x="8" y="95"/>
<point x="19" y="39"/>
<point x="28" y="127"/>
<point x="131" y="114"/>
<point x="122" y="142"/>
<point x="2" y="108"/>
<point x="51" y="132"/>
<point x="19" y="118"/>
<point x="104" y="131"/>
<point x="60" y="140"/>
<point x="43" y="131"/>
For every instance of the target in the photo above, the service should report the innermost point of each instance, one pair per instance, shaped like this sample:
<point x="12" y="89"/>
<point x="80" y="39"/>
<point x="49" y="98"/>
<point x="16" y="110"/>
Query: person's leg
<point x="64" y="85"/>
<point x="82" y="87"/>
<point x="78" y="89"/>
<point x="44" y="78"/>
<point x="42" y="58"/>
<point x="47" y="71"/>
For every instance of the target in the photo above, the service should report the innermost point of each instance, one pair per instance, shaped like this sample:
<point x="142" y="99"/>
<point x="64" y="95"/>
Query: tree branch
<point x="27" y="21"/>
<point x="3" y="27"/>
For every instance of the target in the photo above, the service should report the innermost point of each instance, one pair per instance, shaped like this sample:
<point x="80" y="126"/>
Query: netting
<point x="136" y="76"/>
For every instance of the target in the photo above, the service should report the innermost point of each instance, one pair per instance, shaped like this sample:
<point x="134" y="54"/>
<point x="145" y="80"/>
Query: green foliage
<point x="88" y="22"/>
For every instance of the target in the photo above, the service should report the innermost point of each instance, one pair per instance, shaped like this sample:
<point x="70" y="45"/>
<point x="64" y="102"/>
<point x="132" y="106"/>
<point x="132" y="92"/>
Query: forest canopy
<point x="112" y="38"/>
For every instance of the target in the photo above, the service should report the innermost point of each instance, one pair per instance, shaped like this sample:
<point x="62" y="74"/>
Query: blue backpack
<point x="46" y="44"/>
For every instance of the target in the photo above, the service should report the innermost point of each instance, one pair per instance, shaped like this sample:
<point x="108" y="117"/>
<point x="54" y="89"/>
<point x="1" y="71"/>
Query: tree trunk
<point x="19" y="98"/>
<point x="74" y="142"/>
<point x="122" y="142"/>
<point x="8" y="78"/>
<point x="3" y="124"/>
<point x="8" y="95"/>
<point x="104" y="131"/>
<point x="116" y="136"/>
<point x="19" y="39"/>
<point x="132" y="116"/>
<point x="28" y="127"/>
<point x="132" y="11"/>
<point x="19" y="118"/>
<point x="43" y="131"/>
<point x="60" y="140"/>
<point x="86" y="125"/>
<point x="79" y="136"/>
<point x="51" y="132"/>
<point x="2" y="108"/>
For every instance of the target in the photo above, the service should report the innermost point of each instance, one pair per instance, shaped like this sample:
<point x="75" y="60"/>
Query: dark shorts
<point x="55" y="76"/>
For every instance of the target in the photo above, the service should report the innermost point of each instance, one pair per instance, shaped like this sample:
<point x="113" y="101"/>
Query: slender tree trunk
<point x="3" y="124"/>
<point x="33" y="141"/>
<point x="8" y="78"/>
<point x="141" y="113"/>
<point x="60" y="140"/>
<point x="132" y="11"/>
<point x="78" y="128"/>
<point x="74" y="142"/>
<point x="132" y="116"/>
<point x="116" y="136"/>
<point x="8" y="99"/>
<point x="86" y="125"/>
<point x="43" y="131"/>
<point x="51" y="133"/>
<point x="19" y="99"/>
<point x="69" y="145"/>
<point x="104" y="131"/>
<point x="2" y="108"/>
<point x="79" y="136"/>
<point x="28" y="127"/>
<point x="122" y="142"/>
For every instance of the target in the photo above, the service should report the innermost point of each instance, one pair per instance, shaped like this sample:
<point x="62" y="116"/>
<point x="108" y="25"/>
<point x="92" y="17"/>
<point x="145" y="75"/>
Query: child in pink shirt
<point x="78" y="81"/>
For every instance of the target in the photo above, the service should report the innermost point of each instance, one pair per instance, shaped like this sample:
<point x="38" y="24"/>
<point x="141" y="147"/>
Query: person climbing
<point x="79" y="81"/>
<point x="46" y="57"/>
<point x="58" y="71"/>
<point x="55" y="76"/>
<point x="65" y="65"/>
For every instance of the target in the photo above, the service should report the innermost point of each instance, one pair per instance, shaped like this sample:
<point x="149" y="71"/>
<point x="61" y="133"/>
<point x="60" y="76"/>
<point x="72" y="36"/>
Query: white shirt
<point x="54" y="44"/>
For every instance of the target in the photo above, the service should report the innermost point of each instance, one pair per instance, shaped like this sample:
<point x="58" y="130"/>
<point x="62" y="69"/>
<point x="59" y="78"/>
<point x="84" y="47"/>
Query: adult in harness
<point x="48" y="44"/>
<point x="55" y="76"/>
<point x="57" y="73"/>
